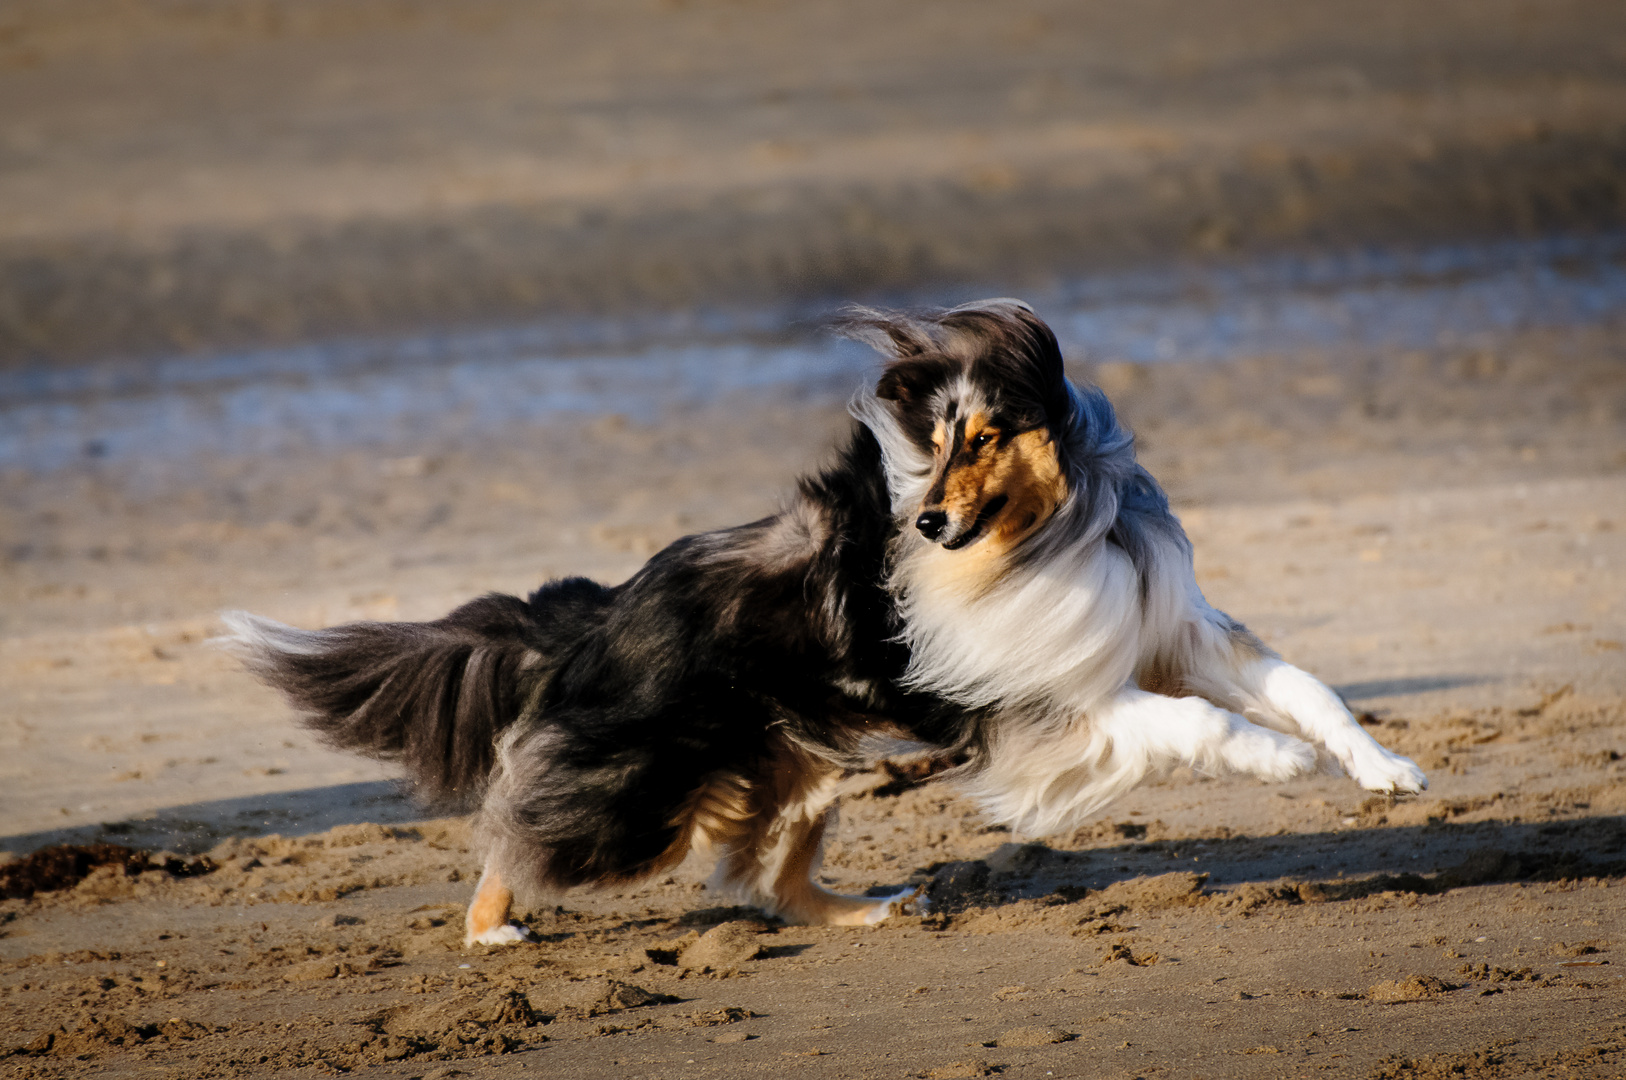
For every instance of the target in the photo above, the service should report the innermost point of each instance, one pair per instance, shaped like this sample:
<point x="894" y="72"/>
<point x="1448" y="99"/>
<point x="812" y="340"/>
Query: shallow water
<point x="434" y="389"/>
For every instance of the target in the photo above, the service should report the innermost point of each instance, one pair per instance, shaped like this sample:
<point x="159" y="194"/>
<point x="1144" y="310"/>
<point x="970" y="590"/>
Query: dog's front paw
<point x="1378" y="769"/>
<point x="506" y="933"/>
<point x="908" y="902"/>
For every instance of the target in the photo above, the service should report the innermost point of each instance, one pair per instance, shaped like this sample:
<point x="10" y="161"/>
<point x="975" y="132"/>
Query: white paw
<point x="1267" y="754"/>
<point x="1377" y="769"/>
<point x="502" y="934"/>
<point x="908" y="902"/>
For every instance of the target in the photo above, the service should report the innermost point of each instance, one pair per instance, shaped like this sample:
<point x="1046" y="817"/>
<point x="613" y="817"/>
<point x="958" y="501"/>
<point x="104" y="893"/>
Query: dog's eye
<point x="981" y="440"/>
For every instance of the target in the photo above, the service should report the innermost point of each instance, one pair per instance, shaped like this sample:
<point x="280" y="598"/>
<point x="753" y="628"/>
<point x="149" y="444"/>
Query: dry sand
<point x="1441" y="534"/>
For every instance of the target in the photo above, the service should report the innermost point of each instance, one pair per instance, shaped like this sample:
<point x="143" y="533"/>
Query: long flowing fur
<point x="434" y="696"/>
<point x="1093" y="598"/>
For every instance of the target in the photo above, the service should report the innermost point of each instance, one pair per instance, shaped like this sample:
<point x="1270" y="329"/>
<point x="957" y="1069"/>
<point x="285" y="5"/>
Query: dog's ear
<point x="904" y="339"/>
<point x="897" y="336"/>
<point x="903" y="382"/>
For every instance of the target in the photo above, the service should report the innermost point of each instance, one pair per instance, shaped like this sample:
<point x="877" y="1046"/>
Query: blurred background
<point x="199" y="191"/>
<point x="350" y="308"/>
<point x="185" y="176"/>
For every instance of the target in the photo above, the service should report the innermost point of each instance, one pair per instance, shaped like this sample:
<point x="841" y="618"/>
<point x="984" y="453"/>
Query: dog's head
<point x="980" y="391"/>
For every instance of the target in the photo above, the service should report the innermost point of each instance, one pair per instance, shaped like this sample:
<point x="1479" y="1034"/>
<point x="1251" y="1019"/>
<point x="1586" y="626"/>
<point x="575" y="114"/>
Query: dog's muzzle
<point x="934" y="525"/>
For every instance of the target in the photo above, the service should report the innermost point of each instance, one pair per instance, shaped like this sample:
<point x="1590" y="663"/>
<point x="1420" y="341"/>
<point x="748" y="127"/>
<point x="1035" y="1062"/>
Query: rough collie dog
<point x="984" y="573"/>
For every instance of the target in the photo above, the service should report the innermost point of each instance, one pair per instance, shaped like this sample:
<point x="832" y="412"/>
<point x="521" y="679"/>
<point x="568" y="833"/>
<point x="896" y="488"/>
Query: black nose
<point x="931" y="524"/>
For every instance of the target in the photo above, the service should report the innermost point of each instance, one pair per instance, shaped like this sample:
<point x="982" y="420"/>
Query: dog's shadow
<point x="1345" y="864"/>
<point x="193" y="828"/>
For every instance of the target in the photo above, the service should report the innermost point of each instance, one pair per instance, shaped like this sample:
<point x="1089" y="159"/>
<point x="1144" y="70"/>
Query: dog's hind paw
<point x="908" y="902"/>
<point x="1387" y="772"/>
<point x="506" y="933"/>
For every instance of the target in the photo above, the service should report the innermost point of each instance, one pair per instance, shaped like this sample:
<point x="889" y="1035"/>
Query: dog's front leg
<point x="487" y="922"/>
<point x="1312" y="707"/>
<point x="1150" y="731"/>
<point x="1041" y="780"/>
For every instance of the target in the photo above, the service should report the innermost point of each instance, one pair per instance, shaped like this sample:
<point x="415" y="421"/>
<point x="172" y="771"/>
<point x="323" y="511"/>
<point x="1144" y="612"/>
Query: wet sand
<point x="1439" y="533"/>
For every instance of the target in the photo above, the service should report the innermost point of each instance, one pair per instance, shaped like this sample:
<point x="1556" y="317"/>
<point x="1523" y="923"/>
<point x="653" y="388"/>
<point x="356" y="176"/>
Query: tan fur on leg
<point x="769" y="838"/>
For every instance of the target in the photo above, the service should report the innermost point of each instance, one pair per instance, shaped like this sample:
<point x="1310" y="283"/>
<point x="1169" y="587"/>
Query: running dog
<point x="984" y="573"/>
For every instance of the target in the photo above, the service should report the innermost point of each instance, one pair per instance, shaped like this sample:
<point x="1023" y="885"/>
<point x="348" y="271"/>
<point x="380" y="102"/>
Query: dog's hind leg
<point x="487" y="922"/>
<point x="770" y="840"/>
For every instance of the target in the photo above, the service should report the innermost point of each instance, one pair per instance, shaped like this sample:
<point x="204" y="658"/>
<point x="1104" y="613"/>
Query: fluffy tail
<point x="434" y="696"/>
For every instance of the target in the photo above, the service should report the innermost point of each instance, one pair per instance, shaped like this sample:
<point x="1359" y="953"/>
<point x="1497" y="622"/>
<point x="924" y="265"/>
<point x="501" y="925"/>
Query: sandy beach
<point x="1432" y="522"/>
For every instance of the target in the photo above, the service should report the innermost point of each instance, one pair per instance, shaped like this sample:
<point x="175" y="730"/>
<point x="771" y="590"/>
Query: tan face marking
<point x="980" y="467"/>
<point x="1033" y="482"/>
